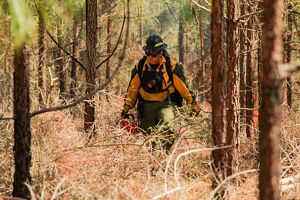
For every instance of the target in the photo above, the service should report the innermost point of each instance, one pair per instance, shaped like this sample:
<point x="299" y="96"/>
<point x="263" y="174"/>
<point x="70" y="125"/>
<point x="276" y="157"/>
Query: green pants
<point x="158" y="113"/>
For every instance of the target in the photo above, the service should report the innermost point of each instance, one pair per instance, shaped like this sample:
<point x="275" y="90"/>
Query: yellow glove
<point x="195" y="107"/>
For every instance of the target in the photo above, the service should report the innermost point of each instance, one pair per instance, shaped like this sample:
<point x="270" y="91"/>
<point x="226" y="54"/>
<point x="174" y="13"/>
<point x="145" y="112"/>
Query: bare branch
<point x="249" y="15"/>
<point x="66" y="52"/>
<point x="117" y="44"/>
<point x="102" y="86"/>
<point x="200" y="6"/>
<point x="6" y="118"/>
<point x="296" y="26"/>
<point x="172" y="13"/>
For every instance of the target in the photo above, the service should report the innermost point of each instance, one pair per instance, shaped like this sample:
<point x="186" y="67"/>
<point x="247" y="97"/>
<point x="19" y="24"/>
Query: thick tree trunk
<point x="233" y="80"/>
<point x="249" y="78"/>
<point x="181" y="38"/>
<point x="270" y="112"/>
<point x="42" y="61"/>
<point x="22" y="132"/>
<point x="288" y="51"/>
<point x="91" y="41"/>
<point x="73" y="73"/>
<point x="218" y="89"/>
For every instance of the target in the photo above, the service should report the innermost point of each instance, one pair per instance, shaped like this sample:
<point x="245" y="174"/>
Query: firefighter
<point x="158" y="84"/>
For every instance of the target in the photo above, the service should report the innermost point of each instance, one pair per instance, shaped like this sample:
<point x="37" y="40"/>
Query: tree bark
<point x="242" y="63"/>
<point x="42" y="61"/>
<point x="108" y="50"/>
<point x="288" y="52"/>
<point x="181" y="37"/>
<point x="141" y="25"/>
<point x="233" y="80"/>
<point x="60" y="65"/>
<point x="22" y="132"/>
<point x="270" y="112"/>
<point x="201" y="74"/>
<point x="218" y="89"/>
<point x="249" y="78"/>
<point x="73" y="73"/>
<point x="91" y="41"/>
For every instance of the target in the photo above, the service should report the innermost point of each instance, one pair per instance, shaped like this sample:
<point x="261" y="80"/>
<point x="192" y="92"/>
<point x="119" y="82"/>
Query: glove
<point x="124" y="112"/>
<point x="195" y="108"/>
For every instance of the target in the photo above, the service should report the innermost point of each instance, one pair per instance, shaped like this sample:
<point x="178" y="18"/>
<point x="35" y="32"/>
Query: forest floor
<point x="118" y="165"/>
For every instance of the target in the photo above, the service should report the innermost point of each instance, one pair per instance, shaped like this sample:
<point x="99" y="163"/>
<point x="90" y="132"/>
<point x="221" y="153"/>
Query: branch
<point x="200" y="6"/>
<point x="249" y="15"/>
<point x="121" y="59"/>
<point x="172" y="13"/>
<point x="6" y="118"/>
<point x="66" y="52"/>
<point x="296" y="26"/>
<point x="295" y="12"/>
<point x="118" y="42"/>
<point x="212" y="195"/>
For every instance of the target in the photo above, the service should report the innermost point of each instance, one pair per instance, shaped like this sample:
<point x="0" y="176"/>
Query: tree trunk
<point x="42" y="62"/>
<point x="108" y="50"/>
<point x="233" y="80"/>
<point x="201" y="74"/>
<point x="259" y="56"/>
<point x="60" y="64"/>
<point x="141" y="28"/>
<point x="181" y="37"/>
<point x="22" y="132"/>
<point x="218" y="90"/>
<point x="242" y="63"/>
<point x="91" y="41"/>
<point x="73" y="74"/>
<point x="288" y="52"/>
<point x="249" y="73"/>
<point x="270" y="112"/>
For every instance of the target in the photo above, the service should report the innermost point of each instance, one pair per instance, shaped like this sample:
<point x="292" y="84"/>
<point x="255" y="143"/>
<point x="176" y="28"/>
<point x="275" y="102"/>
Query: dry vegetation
<point x="118" y="165"/>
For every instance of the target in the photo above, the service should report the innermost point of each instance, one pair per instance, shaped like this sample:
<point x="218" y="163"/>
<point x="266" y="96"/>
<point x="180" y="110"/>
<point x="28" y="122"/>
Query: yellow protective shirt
<point x="179" y="83"/>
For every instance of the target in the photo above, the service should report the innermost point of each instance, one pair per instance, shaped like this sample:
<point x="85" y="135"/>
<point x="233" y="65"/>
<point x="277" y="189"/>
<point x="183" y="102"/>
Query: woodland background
<point x="80" y="156"/>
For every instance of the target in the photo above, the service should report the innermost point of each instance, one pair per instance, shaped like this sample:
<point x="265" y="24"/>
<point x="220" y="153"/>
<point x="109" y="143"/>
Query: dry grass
<point x="117" y="165"/>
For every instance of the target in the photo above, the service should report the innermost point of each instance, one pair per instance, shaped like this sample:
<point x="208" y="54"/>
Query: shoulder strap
<point x="169" y="68"/>
<point x="141" y="65"/>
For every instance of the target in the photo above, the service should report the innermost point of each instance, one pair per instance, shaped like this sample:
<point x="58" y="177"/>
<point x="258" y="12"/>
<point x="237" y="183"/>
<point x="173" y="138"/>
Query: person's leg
<point x="166" y="116"/>
<point x="148" y="115"/>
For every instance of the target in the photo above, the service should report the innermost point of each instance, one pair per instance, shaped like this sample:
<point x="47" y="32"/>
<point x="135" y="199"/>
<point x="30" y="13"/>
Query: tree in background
<point x="181" y="35"/>
<point x="91" y="41"/>
<point x="73" y="72"/>
<point x="42" y="84"/>
<point x="59" y="61"/>
<point x="288" y="51"/>
<point x="270" y="111"/>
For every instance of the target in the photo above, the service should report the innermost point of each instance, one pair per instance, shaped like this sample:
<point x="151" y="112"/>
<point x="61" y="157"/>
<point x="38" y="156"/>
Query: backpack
<point x="175" y="96"/>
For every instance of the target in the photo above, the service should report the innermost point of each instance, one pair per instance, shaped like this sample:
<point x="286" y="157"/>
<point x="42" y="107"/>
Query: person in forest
<point x="158" y="84"/>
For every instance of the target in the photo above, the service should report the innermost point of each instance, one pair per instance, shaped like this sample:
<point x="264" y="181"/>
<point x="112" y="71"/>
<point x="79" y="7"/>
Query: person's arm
<point x="132" y="91"/>
<point x="182" y="86"/>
